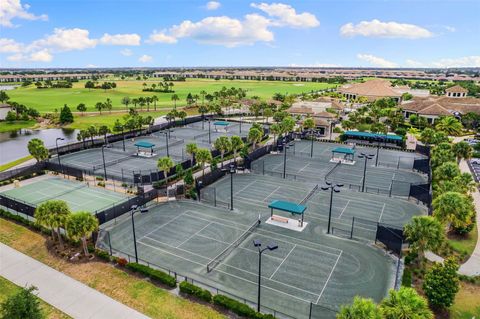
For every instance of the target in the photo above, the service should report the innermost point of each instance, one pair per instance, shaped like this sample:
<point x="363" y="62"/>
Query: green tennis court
<point x="255" y="192"/>
<point x="78" y="195"/>
<point x="309" y="269"/>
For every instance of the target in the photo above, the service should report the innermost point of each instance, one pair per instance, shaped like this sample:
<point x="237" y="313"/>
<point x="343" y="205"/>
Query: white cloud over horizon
<point x="212" y="5"/>
<point x="379" y="29"/>
<point x="376" y="61"/>
<point x="126" y="52"/>
<point x="145" y="58"/>
<point x="13" y="9"/>
<point x="132" y="39"/>
<point x="286" y="15"/>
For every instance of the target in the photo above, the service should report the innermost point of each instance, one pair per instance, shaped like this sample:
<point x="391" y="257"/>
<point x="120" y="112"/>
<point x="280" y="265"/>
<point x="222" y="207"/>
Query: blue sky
<point x="347" y="33"/>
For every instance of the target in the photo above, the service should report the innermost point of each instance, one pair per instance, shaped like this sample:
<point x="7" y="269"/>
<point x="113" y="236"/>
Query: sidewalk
<point x="64" y="293"/>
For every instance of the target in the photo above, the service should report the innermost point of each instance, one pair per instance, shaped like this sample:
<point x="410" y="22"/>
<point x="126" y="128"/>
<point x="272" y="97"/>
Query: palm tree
<point x="453" y="208"/>
<point x="175" y="98"/>
<point x="135" y="102"/>
<point x="424" y="233"/>
<point x="203" y="156"/>
<point x="223" y="145"/>
<point x="191" y="149"/>
<point x="182" y="115"/>
<point x="237" y="144"/>
<point x="361" y="308"/>
<point x="462" y="150"/>
<point x="99" y="106"/>
<point x="126" y="100"/>
<point x="165" y="164"/>
<point x="104" y="130"/>
<point x="154" y="100"/>
<point x="53" y="214"/>
<point x="255" y="136"/>
<point x="405" y="303"/>
<point x="276" y="129"/>
<point x="450" y="125"/>
<point x="92" y="132"/>
<point x="81" y="225"/>
<point x="43" y="217"/>
<point x="203" y="93"/>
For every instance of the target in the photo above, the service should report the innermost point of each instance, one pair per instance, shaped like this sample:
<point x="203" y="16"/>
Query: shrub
<point x="99" y="178"/>
<point x="122" y="261"/>
<point x="237" y="307"/>
<point x="463" y="229"/>
<point x="102" y="255"/>
<point x="101" y="184"/>
<point x="190" y="289"/>
<point x="153" y="274"/>
<point x="410" y="257"/>
<point x="407" y="278"/>
<point x="192" y="193"/>
<point x="337" y="130"/>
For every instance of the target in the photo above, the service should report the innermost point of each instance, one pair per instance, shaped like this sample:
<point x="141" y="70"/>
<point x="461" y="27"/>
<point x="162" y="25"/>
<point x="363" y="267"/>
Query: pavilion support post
<point x="271" y="212"/>
<point x="301" y="224"/>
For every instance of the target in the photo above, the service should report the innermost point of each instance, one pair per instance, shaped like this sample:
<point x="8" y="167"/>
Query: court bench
<point x="280" y="219"/>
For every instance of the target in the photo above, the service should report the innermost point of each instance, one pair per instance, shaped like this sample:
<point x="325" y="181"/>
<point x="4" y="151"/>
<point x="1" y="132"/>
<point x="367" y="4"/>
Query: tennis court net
<point x="199" y="136"/>
<point x="113" y="162"/>
<point x="170" y="144"/>
<point x="60" y="194"/>
<point x="221" y="257"/>
<point x="309" y="195"/>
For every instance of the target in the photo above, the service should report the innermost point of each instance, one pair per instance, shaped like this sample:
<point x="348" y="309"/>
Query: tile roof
<point x="456" y="89"/>
<point x="375" y="87"/>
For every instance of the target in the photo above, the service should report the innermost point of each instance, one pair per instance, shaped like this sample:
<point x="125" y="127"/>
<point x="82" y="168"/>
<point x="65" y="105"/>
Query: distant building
<point x="4" y="109"/>
<point x="454" y="103"/>
<point x="43" y="77"/>
<point x="317" y="110"/>
<point x="372" y="90"/>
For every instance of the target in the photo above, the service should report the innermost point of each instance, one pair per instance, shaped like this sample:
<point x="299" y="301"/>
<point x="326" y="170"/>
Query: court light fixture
<point x="257" y="243"/>
<point x="333" y="187"/>
<point x="366" y="157"/>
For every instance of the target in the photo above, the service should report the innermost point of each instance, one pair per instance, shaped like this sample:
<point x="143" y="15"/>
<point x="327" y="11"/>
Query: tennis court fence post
<point x="214" y="197"/>
<point x="109" y="242"/>
<point x="263" y="167"/>
<point x="310" y="311"/>
<point x="351" y="230"/>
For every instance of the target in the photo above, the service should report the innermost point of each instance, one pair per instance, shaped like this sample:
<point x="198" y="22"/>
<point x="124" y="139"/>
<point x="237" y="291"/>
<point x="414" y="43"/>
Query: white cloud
<point x="376" y="61"/>
<point x="450" y="28"/>
<point x="286" y="15"/>
<point x="213" y="5"/>
<point x="13" y="9"/>
<point x="15" y="57"/>
<point x="376" y="28"/>
<point x="225" y="31"/>
<point x="9" y="46"/>
<point x="126" y="52"/>
<point x="161" y="37"/>
<point x="467" y="61"/>
<point x="41" y="56"/>
<point x="414" y="63"/>
<point x="145" y="58"/>
<point x="120" y="39"/>
<point x="91" y="66"/>
<point x="66" y="40"/>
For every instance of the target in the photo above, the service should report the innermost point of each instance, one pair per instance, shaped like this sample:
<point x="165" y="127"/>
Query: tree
<point x="254" y="136"/>
<point x="4" y="97"/>
<point x="191" y="149"/>
<point x="22" y="305"/>
<point x="446" y="171"/>
<point x="405" y="303"/>
<point x="441" y="283"/>
<point x="175" y="98"/>
<point x="99" y="106"/>
<point x="81" y="225"/>
<point x="154" y="100"/>
<point x="126" y="101"/>
<point x="288" y="124"/>
<point x="453" y="208"/>
<point x="237" y="144"/>
<point x="66" y="115"/>
<point x="202" y="109"/>
<point x="108" y="105"/>
<point x="462" y="150"/>
<point x="82" y="108"/>
<point x="223" y="145"/>
<point x="203" y="156"/>
<point x="182" y="115"/>
<point x="53" y="214"/>
<point x="90" y="85"/>
<point x="361" y="308"/>
<point x="442" y="153"/>
<point x="449" y="125"/>
<point x="424" y="233"/>
<point x="37" y="149"/>
<point x="92" y="132"/>
<point x="268" y="112"/>
<point x="104" y="130"/>
<point x="165" y="164"/>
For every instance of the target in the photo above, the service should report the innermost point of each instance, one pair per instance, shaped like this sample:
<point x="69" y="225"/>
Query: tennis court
<point x="378" y="179"/>
<point x="308" y="267"/>
<point x="255" y="192"/>
<point x="79" y="196"/>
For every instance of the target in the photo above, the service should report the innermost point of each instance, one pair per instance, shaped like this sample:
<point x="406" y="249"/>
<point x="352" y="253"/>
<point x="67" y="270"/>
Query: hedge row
<point x="154" y="274"/>
<point x="239" y="308"/>
<point x="193" y="290"/>
<point x="22" y="220"/>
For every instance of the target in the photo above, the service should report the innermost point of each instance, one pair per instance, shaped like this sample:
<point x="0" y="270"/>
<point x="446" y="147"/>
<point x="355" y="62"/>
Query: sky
<point x="154" y="33"/>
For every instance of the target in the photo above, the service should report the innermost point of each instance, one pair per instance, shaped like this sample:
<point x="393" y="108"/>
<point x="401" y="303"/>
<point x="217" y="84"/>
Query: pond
<point x="13" y="145"/>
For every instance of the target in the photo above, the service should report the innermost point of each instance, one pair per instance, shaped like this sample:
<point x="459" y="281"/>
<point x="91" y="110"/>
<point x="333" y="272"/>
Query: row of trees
<point x="48" y="84"/>
<point x="104" y="86"/>
<point x="141" y="101"/>
<point x="162" y="87"/>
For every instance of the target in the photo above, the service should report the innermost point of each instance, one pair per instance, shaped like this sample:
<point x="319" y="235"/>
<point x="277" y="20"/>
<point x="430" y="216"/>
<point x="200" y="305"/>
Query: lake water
<point x="13" y="145"/>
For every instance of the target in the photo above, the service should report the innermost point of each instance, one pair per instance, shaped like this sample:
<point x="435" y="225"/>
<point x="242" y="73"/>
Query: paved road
<point x="64" y="293"/>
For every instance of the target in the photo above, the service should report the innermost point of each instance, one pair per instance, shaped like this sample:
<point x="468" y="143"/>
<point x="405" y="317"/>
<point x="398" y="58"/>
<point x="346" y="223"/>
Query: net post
<point x="310" y="311"/>
<point x="214" y="197"/>
<point x="263" y="167"/>
<point x="351" y="230"/>
<point x="398" y="162"/>
<point x="390" y="190"/>
<point x="109" y="242"/>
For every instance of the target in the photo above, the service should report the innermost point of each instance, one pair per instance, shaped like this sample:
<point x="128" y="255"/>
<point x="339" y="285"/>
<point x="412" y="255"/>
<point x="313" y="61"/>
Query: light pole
<point x="285" y="148"/>
<point x="366" y="157"/>
<point x="123" y="138"/>
<point x="257" y="243"/>
<point x="333" y="188"/>
<point x="380" y="139"/>
<point x="166" y="141"/>
<point x="134" y="209"/>
<point x="58" y="153"/>
<point x="104" y="165"/>
<point x="231" y="170"/>
<point x="209" y="134"/>
<point x="311" y="147"/>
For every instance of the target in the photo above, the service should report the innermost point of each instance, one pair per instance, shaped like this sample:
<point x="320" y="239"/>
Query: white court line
<point x="343" y="210"/>
<point x="161" y="226"/>
<point x="283" y="261"/>
<point x="276" y="189"/>
<point x="328" y="279"/>
<point x="244" y="188"/>
<point x="232" y="275"/>
<point x="175" y="247"/>
<point x="190" y="237"/>
<point x="381" y="214"/>
<point x="308" y="164"/>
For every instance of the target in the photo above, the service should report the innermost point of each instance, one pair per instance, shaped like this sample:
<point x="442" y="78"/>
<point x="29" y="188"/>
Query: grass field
<point x="116" y="283"/>
<point x="467" y="302"/>
<point x="8" y="288"/>
<point x="47" y="100"/>
<point x="16" y="162"/>
<point x="17" y="125"/>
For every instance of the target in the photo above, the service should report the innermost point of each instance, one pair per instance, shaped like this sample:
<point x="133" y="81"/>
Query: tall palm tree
<point x="191" y="149"/>
<point x="449" y="125"/>
<point x="360" y="308"/>
<point x="223" y="145"/>
<point x="175" y="98"/>
<point x="203" y="156"/>
<point x="237" y="145"/>
<point x="405" y="303"/>
<point x="165" y="164"/>
<point x="254" y="136"/>
<point x="154" y="100"/>
<point x="462" y="150"/>
<point x="424" y="233"/>
<point x="453" y="208"/>
<point x="203" y="93"/>
<point x="80" y="225"/>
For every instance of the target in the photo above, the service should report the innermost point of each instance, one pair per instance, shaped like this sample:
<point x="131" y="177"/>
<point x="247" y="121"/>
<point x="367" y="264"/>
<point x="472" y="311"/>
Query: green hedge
<point x="154" y="274"/>
<point x="239" y="308"/>
<point x="22" y="220"/>
<point x="195" y="291"/>
<point x="407" y="278"/>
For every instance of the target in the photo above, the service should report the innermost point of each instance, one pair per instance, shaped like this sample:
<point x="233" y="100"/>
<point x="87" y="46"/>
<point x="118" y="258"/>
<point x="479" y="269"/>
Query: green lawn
<point x="465" y="245"/>
<point x="83" y="122"/>
<point x="467" y="302"/>
<point x="14" y="126"/>
<point x="6" y="166"/>
<point x="47" y="100"/>
<point x="8" y="288"/>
